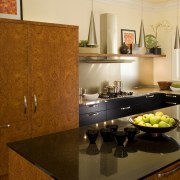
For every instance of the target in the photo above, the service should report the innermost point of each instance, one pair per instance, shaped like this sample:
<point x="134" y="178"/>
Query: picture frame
<point x="11" y="9"/>
<point x="128" y="37"/>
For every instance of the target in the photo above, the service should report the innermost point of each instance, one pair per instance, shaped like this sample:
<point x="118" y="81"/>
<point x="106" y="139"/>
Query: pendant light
<point x="177" y="40"/>
<point x="92" y="41"/>
<point x="142" y="42"/>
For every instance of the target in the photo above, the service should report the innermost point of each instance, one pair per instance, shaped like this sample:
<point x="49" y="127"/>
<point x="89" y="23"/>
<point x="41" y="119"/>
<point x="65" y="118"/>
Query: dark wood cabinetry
<point x="151" y="102"/>
<point x="90" y="114"/>
<point x="120" y="107"/>
<point x="38" y="81"/>
<point x="117" y="108"/>
<point x="170" y="99"/>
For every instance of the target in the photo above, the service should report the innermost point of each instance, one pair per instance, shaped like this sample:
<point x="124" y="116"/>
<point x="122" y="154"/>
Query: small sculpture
<point x="124" y="49"/>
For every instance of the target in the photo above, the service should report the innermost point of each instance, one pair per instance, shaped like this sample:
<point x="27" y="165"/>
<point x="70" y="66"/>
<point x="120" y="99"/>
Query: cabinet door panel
<point x="17" y="131"/>
<point x="54" y="72"/>
<point x="13" y="71"/>
<point x="53" y="56"/>
<point x="49" y="123"/>
<point x="69" y="70"/>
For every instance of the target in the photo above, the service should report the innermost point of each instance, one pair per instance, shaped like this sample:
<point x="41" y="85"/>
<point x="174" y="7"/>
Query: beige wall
<point x="77" y="12"/>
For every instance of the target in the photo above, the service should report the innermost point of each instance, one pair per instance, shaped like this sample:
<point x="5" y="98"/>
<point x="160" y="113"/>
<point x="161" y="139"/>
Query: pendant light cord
<point x="177" y="12"/>
<point x="142" y="9"/>
<point x="92" y="5"/>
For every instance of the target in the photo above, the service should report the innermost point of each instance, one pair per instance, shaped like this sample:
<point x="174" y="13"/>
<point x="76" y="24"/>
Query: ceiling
<point x="154" y="4"/>
<point x="156" y="1"/>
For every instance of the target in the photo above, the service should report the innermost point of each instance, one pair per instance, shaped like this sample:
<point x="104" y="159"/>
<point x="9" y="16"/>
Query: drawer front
<point x="172" y="99"/>
<point x="152" y="97"/>
<point x="119" y="112"/>
<point x="116" y="103"/>
<point x="149" y="106"/>
<point x="84" y="109"/>
<point x="92" y="118"/>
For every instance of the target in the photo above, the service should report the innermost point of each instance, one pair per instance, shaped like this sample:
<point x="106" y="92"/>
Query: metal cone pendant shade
<point x="92" y="40"/>
<point x="142" y="42"/>
<point x="177" y="40"/>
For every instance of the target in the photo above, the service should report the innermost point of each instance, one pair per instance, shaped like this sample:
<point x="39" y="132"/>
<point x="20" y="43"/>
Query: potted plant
<point x="152" y="39"/>
<point x="84" y="48"/>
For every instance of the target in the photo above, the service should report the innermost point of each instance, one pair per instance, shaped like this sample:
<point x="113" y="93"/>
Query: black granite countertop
<point x="68" y="155"/>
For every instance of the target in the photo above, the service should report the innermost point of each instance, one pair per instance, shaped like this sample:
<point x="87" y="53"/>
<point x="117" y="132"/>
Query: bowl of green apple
<point x="175" y="86"/>
<point x="154" y="122"/>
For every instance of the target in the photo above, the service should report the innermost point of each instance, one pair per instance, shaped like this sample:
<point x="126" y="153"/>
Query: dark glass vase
<point x="124" y="49"/>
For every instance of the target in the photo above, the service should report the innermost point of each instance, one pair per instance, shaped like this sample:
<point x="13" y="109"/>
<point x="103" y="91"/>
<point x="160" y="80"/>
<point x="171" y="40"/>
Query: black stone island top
<point x="68" y="155"/>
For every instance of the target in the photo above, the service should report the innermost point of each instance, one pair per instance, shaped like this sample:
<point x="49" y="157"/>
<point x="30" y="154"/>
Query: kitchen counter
<point x="68" y="155"/>
<point x="137" y="91"/>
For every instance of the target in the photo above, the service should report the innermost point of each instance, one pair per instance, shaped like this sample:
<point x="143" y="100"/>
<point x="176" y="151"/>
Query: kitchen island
<point x="68" y="155"/>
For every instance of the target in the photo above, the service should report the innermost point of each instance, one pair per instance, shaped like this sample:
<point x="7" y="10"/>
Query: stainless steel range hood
<point x="106" y="58"/>
<point x="108" y="34"/>
<point x="109" y="50"/>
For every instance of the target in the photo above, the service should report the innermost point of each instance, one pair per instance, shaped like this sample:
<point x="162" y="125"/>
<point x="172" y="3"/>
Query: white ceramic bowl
<point x="174" y="89"/>
<point x="91" y="97"/>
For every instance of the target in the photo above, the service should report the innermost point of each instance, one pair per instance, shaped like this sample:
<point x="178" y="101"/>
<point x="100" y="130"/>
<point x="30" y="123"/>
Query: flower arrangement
<point x="160" y="25"/>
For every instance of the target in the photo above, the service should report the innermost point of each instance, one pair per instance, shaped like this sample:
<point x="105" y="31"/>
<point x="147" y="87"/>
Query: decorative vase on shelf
<point x="124" y="49"/>
<point x="155" y="50"/>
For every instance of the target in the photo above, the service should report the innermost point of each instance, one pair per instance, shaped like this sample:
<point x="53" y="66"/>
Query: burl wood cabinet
<point x="171" y="172"/>
<point x="38" y="81"/>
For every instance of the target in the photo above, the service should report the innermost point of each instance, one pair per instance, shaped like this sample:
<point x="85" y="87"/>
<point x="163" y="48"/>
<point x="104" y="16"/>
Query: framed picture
<point x="128" y="36"/>
<point x="11" y="9"/>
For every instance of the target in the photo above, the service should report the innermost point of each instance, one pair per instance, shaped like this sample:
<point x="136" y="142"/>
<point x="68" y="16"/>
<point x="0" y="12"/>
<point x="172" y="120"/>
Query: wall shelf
<point x="113" y="58"/>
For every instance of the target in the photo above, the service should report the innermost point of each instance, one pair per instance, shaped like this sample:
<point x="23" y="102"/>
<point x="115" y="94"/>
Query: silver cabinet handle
<point x="150" y="96"/>
<point x="173" y="103"/>
<point x="173" y="96"/>
<point x="125" y="108"/>
<point x="25" y="105"/>
<point x="169" y="172"/>
<point x="93" y="114"/>
<point x="35" y="103"/>
<point x="5" y="126"/>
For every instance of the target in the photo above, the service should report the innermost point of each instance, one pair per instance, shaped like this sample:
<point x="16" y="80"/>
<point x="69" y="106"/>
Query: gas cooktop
<point x="120" y="94"/>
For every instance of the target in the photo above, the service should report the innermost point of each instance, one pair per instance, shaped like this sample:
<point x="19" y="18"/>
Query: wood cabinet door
<point x="15" y="131"/>
<point x="13" y="72"/>
<point x="13" y="86"/>
<point x="54" y="74"/>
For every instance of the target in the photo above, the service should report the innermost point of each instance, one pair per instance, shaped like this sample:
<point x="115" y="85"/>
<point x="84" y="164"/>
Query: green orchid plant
<point x="152" y="39"/>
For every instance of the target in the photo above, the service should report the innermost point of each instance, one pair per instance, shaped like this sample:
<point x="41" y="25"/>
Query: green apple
<point x="146" y="118"/>
<point x="165" y="118"/>
<point x="155" y="125"/>
<point x="171" y="121"/>
<point x="137" y="119"/>
<point x="159" y="113"/>
<point x="151" y="114"/>
<point x="163" y="124"/>
<point x="148" y="125"/>
<point x="154" y="119"/>
<point x="141" y="123"/>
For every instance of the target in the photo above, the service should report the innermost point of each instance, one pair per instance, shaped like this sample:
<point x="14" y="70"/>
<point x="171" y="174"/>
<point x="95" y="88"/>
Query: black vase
<point x="124" y="49"/>
<point x="155" y="50"/>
